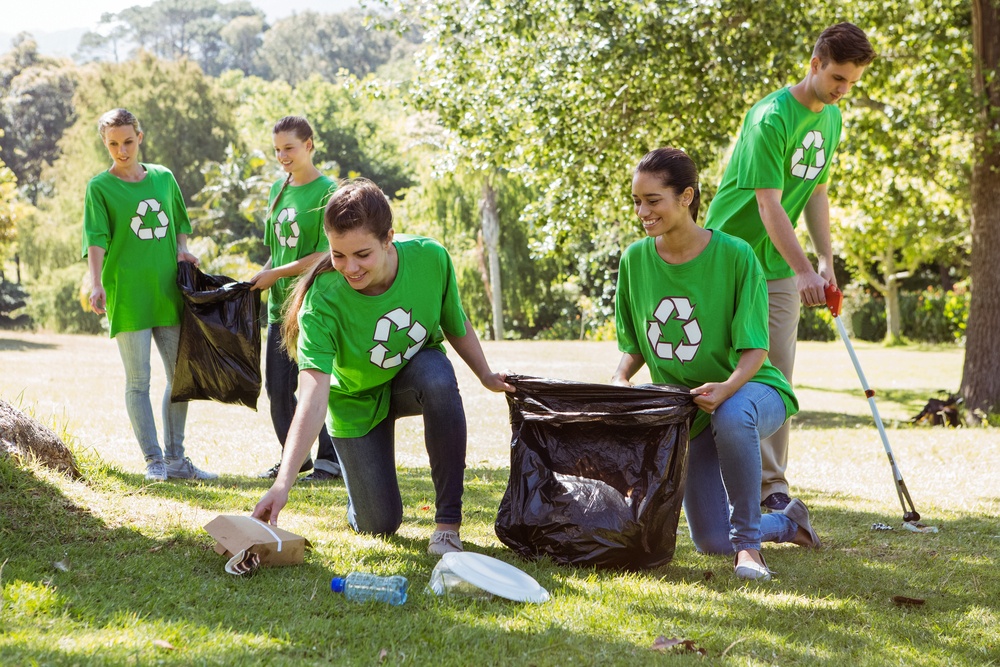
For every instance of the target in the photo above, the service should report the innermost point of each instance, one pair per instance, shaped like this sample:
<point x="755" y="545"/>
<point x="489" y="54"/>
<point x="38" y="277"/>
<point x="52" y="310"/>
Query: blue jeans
<point x="426" y="386"/>
<point x="134" y="348"/>
<point x="722" y="492"/>
<point x="281" y="380"/>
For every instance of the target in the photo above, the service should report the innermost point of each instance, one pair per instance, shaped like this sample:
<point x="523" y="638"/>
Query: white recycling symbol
<point x="147" y="233"/>
<point x="287" y="215"/>
<point x="681" y="308"/>
<point x="813" y="139"/>
<point x="400" y="319"/>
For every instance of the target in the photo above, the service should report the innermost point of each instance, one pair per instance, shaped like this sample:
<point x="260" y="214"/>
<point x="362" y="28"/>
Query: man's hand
<point x="812" y="288"/>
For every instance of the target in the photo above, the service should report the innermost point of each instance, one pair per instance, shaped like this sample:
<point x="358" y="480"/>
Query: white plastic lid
<point x="495" y="576"/>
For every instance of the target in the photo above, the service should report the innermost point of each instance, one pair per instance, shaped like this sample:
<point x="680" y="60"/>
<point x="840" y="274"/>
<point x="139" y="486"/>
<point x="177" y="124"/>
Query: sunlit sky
<point x="42" y="16"/>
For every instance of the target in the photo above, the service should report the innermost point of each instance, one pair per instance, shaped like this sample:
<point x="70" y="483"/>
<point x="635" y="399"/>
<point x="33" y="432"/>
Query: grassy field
<point x="112" y="570"/>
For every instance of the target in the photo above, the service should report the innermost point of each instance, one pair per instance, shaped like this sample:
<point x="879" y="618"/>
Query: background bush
<point x="55" y="303"/>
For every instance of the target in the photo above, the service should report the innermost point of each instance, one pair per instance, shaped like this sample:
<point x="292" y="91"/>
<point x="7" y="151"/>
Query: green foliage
<point x="936" y="315"/>
<point x="570" y="93"/>
<point x="13" y="298"/>
<point x="931" y="316"/>
<point x="309" y="43"/>
<point x="181" y="29"/>
<point x="36" y="107"/>
<point x="55" y="303"/>
<point x="186" y="122"/>
<point x="233" y="203"/>
<point x="354" y="133"/>
<point x="817" y="324"/>
<point x="902" y="175"/>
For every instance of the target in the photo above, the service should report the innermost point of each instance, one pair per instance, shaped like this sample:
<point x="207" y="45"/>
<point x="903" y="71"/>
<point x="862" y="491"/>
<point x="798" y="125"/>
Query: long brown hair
<point x="356" y="204"/>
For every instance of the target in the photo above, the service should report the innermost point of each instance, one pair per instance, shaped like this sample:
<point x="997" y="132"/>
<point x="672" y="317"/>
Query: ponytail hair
<point x="676" y="170"/>
<point x="356" y="204"/>
<point x="290" y="313"/>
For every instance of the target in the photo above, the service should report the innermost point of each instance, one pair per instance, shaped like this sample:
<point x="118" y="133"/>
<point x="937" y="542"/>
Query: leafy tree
<point x="186" y="120"/>
<point x="355" y="134"/>
<point x="981" y="373"/>
<point x="311" y="43"/>
<point x="36" y="106"/>
<point x="176" y="29"/>
<point x="233" y="203"/>
<point x="903" y="172"/>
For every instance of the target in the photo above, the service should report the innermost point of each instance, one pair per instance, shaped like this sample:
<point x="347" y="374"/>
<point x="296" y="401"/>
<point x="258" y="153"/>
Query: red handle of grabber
<point x="834" y="299"/>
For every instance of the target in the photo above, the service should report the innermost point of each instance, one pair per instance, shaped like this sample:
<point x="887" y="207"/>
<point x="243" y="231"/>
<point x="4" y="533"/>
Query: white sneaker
<point x="443" y="542"/>
<point x="156" y="471"/>
<point x="184" y="469"/>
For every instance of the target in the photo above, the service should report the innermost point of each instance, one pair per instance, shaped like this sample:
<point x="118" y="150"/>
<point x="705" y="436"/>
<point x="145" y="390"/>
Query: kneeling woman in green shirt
<point x="691" y="305"/>
<point x="368" y="324"/>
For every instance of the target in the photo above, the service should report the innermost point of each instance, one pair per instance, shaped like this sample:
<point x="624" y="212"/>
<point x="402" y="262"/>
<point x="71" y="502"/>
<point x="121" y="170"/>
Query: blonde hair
<point x="117" y="118"/>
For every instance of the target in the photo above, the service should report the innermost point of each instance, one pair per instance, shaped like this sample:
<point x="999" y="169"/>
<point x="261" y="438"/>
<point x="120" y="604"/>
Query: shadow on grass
<point x="10" y="344"/>
<point x="825" y="607"/>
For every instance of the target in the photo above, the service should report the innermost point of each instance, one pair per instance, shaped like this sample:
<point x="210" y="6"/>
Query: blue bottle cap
<point x="337" y="584"/>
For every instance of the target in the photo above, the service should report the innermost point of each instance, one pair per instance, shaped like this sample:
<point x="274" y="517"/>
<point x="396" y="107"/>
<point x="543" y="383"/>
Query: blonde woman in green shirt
<point x="135" y="228"/>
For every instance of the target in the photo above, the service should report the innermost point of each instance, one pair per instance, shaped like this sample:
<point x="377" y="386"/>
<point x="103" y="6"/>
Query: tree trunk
<point x="491" y="238"/>
<point x="981" y="373"/>
<point x="893" y="319"/>
<point x="24" y="438"/>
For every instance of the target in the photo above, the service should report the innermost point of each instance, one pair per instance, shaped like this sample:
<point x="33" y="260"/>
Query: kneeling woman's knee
<point x="713" y="545"/>
<point x="733" y="415"/>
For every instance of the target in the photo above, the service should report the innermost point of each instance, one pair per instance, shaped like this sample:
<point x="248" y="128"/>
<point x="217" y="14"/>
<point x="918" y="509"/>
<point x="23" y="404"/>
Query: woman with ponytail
<point x="367" y="325"/>
<point x="691" y="305"/>
<point x="293" y="230"/>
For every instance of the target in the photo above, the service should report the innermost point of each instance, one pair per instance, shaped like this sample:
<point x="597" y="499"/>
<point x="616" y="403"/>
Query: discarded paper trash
<point x="468" y="574"/>
<point x="238" y="536"/>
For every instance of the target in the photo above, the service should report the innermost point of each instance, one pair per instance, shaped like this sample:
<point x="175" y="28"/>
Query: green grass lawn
<point x="112" y="570"/>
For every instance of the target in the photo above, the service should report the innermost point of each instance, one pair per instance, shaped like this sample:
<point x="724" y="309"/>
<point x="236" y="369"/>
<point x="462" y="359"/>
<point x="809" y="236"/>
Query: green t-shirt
<point x="137" y="224"/>
<point x="783" y="146"/>
<point x="294" y="230"/>
<point x="364" y="341"/>
<point x="690" y="321"/>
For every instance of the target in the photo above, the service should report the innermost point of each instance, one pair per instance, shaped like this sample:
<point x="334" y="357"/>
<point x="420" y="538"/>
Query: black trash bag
<point x="596" y="472"/>
<point x="219" y="353"/>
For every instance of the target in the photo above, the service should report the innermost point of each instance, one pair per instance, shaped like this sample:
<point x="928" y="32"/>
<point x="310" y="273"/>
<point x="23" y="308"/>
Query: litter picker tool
<point x="834" y="301"/>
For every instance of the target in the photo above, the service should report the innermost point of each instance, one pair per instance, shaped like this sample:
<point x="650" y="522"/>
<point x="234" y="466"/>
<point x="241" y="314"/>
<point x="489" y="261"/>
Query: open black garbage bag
<point x="219" y="353"/>
<point x="596" y="472"/>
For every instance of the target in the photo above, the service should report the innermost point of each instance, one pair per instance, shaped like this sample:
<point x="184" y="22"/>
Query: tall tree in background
<point x="36" y="107"/>
<point x="981" y="374"/>
<point x="901" y="178"/>
<point x="175" y="29"/>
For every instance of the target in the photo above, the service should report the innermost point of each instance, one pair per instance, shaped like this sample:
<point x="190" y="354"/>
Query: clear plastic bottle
<point x="361" y="586"/>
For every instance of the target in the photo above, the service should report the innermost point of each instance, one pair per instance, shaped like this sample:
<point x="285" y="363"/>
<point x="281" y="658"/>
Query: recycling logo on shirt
<point x="287" y="215"/>
<point x="396" y="320"/>
<point x="159" y="228"/>
<point x="675" y="308"/>
<point x="800" y="166"/>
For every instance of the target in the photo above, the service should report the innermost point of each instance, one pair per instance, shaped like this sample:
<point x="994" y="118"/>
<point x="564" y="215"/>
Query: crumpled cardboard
<point x="235" y="535"/>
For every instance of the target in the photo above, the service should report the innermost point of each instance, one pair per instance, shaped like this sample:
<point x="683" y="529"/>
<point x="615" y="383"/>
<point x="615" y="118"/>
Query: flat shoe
<point x="752" y="570"/>
<point x="799" y="513"/>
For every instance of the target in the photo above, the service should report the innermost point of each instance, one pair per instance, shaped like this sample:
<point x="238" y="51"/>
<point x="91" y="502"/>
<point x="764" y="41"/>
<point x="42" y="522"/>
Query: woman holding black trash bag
<point x="368" y="324"/>
<point x="135" y="227"/>
<point x="293" y="230"/>
<point x="691" y="304"/>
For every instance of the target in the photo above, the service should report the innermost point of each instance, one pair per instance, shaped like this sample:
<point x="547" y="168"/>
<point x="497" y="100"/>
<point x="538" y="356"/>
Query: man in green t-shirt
<point x="779" y="170"/>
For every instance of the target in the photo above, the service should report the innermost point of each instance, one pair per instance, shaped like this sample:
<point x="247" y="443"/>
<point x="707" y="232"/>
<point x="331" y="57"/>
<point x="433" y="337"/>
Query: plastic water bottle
<point x="361" y="587"/>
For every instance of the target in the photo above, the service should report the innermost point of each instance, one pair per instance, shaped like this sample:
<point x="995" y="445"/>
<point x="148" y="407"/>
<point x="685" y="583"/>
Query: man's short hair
<point x="844" y="43"/>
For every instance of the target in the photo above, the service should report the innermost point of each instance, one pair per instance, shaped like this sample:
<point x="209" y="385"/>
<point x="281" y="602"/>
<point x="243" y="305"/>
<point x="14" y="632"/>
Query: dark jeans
<point x="281" y="379"/>
<point x="426" y="386"/>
